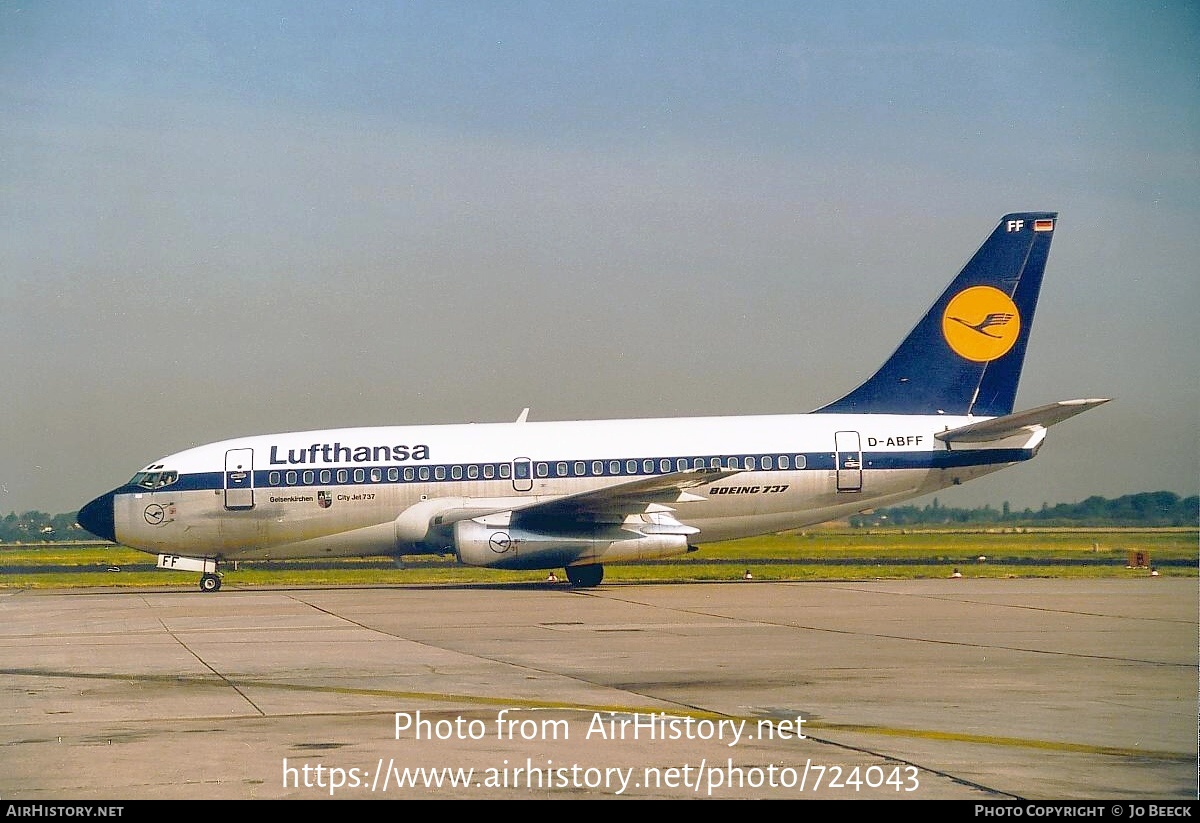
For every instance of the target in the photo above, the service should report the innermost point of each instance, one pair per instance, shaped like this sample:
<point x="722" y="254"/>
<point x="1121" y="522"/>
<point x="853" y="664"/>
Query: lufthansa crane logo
<point x="500" y="542"/>
<point x="155" y="514"/>
<point x="981" y="323"/>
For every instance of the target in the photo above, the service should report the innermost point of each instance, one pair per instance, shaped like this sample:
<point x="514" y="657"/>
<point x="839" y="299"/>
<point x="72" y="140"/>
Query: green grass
<point x="819" y="554"/>
<point x="965" y="544"/>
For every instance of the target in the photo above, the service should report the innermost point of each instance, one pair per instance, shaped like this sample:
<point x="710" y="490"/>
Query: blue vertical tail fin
<point x="965" y="355"/>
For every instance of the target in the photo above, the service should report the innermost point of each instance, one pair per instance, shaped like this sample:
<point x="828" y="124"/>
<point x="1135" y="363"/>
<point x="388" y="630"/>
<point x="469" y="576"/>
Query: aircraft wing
<point x="634" y="497"/>
<point x="611" y="504"/>
<point x="1024" y="422"/>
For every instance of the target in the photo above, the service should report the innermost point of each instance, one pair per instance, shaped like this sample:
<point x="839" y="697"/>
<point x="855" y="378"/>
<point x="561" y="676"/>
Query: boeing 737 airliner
<point x="579" y="494"/>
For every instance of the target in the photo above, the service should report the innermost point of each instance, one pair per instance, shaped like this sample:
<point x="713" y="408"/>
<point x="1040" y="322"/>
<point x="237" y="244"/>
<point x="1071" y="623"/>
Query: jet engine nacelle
<point x="427" y="525"/>
<point x="418" y="522"/>
<point x="502" y="547"/>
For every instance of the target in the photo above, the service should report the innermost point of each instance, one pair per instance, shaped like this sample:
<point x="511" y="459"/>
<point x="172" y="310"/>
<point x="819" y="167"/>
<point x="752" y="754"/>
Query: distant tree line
<point x="1150" y="509"/>
<point x="1145" y="509"/>
<point x="39" y="527"/>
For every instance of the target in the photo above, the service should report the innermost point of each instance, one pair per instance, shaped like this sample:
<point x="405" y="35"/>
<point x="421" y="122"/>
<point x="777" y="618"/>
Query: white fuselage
<point x="345" y="492"/>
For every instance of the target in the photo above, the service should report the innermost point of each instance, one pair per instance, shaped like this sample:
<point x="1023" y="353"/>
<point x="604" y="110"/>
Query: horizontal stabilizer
<point x="1023" y="422"/>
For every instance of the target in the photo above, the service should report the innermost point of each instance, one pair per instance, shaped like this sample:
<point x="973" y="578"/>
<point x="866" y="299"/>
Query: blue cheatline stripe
<point x="943" y="459"/>
<point x="362" y="475"/>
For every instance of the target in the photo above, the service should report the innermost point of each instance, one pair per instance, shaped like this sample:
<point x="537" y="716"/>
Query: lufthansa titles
<point x="339" y="453"/>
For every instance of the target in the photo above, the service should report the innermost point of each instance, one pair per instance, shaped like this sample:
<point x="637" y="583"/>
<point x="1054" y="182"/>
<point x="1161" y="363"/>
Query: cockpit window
<point x="154" y="480"/>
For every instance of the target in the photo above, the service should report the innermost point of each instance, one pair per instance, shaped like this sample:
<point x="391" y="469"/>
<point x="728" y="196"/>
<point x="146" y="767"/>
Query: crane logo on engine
<point x="500" y="542"/>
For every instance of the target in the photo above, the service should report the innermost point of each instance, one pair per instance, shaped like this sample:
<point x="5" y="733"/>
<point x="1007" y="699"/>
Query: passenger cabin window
<point x="489" y="471"/>
<point x="472" y="472"/>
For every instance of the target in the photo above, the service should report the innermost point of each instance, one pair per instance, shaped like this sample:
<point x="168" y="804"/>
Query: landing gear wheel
<point x="210" y="583"/>
<point x="585" y="577"/>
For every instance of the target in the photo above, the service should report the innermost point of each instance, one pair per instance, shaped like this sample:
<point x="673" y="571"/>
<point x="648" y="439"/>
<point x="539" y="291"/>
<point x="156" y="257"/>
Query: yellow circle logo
<point x="981" y="323"/>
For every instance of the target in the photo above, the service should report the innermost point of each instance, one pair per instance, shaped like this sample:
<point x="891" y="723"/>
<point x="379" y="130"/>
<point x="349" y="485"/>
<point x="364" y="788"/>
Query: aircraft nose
<point x="97" y="517"/>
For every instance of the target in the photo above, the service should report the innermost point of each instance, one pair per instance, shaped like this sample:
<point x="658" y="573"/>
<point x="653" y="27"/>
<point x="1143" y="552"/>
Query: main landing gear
<point x="585" y="577"/>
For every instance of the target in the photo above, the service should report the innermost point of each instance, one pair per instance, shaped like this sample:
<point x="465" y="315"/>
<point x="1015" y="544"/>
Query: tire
<point x="585" y="577"/>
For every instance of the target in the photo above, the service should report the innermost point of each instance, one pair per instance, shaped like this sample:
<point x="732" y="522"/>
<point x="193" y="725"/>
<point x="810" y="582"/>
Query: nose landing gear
<point x="210" y="578"/>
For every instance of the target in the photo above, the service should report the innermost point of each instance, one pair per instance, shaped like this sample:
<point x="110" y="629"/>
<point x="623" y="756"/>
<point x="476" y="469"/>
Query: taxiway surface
<point x="970" y="689"/>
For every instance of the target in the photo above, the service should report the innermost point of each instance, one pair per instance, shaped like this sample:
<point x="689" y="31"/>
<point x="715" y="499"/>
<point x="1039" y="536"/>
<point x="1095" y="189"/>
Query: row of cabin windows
<point x="664" y="465"/>
<point x="503" y="471"/>
<point x="489" y="471"/>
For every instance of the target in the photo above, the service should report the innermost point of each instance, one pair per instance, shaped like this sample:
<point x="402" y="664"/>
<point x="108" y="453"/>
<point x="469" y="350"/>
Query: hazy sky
<point x="220" y="219"/>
